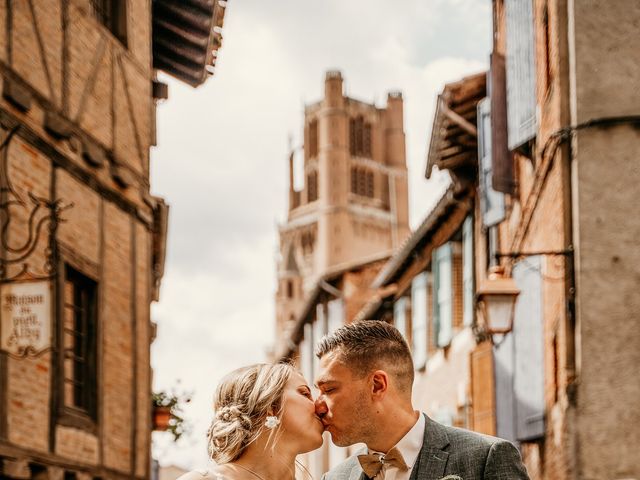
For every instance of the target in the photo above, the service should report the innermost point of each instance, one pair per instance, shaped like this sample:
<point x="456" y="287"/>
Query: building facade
<point x="353" y="207"/>
<point x="83" y="241"/>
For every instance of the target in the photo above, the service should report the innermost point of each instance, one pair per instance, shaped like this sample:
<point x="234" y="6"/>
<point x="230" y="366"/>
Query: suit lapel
<point x="432" y="460"/>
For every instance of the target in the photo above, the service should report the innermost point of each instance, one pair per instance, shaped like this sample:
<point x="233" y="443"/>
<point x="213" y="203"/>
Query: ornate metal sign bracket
<point x="26" y="293"/>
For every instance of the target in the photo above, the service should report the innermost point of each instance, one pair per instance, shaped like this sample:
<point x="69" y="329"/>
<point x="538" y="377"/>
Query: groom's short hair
<point x="370" y="345"/>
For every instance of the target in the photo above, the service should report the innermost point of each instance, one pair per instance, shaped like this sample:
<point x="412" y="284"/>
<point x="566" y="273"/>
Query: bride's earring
<point x="271" y="422"/>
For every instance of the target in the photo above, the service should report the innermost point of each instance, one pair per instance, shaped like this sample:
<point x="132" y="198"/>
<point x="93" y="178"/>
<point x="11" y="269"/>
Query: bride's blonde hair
<point x="242" y="402"/>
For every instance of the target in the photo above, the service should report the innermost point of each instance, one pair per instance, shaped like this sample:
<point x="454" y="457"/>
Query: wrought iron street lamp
<point x="496" y="299"/>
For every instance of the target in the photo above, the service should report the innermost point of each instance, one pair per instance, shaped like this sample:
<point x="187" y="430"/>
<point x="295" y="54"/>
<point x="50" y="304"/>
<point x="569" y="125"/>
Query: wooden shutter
<point x="520" y="66"/>
<point x="467" y="271"/>
<point x="419" y="319"/>
<point x="491" y="202"/>
<point x="502" y="178"/>
<point x="442" y="267"/>
<point x="503" y="361"/>
<point x="528" y="331"/>
<point x="483" y="410"/>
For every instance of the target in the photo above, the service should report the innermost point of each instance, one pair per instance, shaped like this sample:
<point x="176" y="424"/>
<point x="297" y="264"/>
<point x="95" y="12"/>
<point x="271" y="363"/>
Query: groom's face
<point x="344" y="402"/>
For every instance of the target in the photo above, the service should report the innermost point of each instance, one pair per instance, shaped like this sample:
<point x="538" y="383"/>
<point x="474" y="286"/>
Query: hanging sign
<point x="25" y="317"/>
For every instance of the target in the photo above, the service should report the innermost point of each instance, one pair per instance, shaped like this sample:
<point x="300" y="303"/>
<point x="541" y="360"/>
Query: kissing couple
<point x="265" y="416"/>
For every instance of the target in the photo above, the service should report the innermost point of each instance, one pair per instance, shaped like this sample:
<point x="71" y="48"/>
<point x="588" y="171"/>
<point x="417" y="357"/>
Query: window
<point x="289" y="289"/>
<point x="312" y="186"/>
<point x="79" y="343"/>
<point x="359" y="137"/>
<point x="362" y="182"/>
<point x="442" y="266"/>
<point x="113" y="15"/>
<point x="313" y="138"/>
<point x="419" y="320"/>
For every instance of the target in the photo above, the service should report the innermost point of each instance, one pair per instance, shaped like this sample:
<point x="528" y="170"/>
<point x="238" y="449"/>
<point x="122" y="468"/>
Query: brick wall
<point x="103" y="91"/>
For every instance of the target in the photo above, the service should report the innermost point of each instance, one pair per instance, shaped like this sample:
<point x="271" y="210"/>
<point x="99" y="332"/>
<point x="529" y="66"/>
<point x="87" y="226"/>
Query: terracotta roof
<point x="186" y="37"/>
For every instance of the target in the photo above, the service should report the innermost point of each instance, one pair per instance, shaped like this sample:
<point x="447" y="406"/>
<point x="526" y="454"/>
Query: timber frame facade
<point x="77" y="121"/>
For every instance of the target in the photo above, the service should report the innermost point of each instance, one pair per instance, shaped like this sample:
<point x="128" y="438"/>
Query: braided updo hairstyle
<point x="242" y="402"/>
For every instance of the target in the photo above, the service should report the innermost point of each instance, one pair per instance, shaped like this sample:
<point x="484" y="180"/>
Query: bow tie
<point x="373" y="462"/>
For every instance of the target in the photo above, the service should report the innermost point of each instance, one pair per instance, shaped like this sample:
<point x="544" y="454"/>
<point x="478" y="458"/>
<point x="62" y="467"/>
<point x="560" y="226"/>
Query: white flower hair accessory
<point x="271" y="422"/>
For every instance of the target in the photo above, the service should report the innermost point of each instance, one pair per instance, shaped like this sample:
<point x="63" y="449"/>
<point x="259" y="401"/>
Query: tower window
<point x="362" y="182"/>
<point x="113" y="15"/>
<point x="313" y="138"/>
<point x="359" y="137"/>
<point x="312" y="186"/>
<point x="289" y="289"/>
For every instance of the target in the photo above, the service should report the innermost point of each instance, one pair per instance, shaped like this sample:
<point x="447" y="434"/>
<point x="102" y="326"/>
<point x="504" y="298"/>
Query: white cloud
<point x="221" y="163"/>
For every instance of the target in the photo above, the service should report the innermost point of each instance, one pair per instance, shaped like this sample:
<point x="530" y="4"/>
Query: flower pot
<point x="161" y="417"/>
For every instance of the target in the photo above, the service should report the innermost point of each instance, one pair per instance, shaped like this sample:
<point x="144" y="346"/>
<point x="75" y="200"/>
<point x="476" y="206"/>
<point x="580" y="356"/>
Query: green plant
<point x="168" y="412"/>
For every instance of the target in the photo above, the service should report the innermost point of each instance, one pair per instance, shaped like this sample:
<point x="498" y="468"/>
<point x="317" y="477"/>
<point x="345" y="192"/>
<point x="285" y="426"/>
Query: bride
<point x="264" y="416"/>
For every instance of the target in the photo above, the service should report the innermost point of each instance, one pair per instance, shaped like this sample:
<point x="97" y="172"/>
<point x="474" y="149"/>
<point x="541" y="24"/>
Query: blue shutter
<point x="491" y="202"/>
<point x="442" y="267"/>
<point x="520" y="66"/>
<point x="503" y="363"/>
<point x="528" y="333"/>
<point x="467" y="271"/>
<point x="419" y="320"/>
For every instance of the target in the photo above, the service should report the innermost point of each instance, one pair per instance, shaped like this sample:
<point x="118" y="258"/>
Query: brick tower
<point x="354" y="203"/>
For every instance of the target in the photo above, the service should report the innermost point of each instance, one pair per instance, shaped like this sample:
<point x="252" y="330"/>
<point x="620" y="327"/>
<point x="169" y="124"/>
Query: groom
<point x="365" y="380"/>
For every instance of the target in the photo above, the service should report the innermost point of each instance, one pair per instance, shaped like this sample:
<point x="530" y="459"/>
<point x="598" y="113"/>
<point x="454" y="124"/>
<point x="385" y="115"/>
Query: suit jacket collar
<point x="432" y="460"/>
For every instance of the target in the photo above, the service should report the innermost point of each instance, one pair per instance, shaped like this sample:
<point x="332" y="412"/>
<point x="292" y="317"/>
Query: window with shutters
<point x="113" y="15"/>
<point x="442" y="268"/>
<point x="79" y="337"/>
<point x="313" y="138"/>
<point x="520" y="70"/>
<point x="419" y="320"/>
<point x="369" y="189"/>
<point x="467" y="272"/>
<point x="491" y="202"/>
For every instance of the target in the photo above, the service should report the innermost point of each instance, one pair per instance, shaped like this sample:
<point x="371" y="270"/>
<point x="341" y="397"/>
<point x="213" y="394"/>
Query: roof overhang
<point x="454" y="136"/>
<point x="186" y="37"/>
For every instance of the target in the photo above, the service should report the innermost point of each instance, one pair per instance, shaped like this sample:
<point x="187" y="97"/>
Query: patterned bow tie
<point x="373" y="463"/>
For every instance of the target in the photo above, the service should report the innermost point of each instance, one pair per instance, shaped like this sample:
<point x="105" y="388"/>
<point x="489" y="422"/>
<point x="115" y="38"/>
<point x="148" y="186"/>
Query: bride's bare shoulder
<point x="211" y="474"/>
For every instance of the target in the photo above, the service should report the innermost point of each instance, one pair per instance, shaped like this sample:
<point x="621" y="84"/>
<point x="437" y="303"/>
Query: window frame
<point x="79" y="416"/>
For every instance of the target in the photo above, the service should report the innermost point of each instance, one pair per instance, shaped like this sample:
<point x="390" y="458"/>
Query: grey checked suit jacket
<point x="452" y="451"/>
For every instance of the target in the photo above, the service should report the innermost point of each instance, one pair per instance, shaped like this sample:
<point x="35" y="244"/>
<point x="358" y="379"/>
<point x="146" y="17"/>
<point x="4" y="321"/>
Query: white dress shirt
<point x="409" y="446"/>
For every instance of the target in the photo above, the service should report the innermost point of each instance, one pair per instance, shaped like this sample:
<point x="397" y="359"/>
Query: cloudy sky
<point x="221" y="163"/>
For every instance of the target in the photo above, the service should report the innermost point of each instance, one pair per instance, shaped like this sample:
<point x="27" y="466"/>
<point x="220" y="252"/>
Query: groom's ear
<point x="379" y="383"/>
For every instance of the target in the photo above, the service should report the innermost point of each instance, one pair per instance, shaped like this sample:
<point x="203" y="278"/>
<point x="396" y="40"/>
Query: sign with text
<point x="25" y="317"/>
